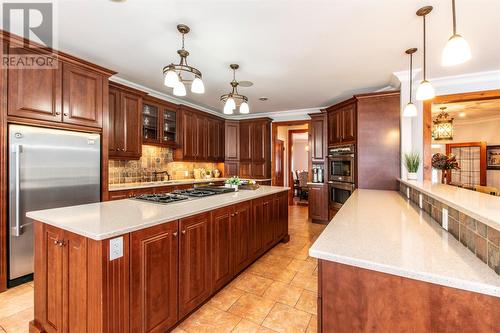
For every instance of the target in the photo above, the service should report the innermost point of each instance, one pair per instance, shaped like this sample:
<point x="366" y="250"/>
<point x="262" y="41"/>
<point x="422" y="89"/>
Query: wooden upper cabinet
<point x="222" y="271"/>
<point x="194" y="262"/>
<point x="82" y="96"/>
<point x="258" y="139"/>
<point x="334" y="127"/>
<point x="318" y="137"/>
<point x="246" y="143"/>
<point x="160" y="122"/>
<point x="153" y="278"/>
<point x="125" y="109"/>
<point x="232" y="140"/>
<point x="35" y="93"/>
<point x="202" y="139"/>
<point x="349" y="123"/>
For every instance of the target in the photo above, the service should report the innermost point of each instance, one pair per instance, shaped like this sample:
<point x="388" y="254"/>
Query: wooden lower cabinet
<point x="194" y="262"/>
<point x="166" y="271"/>
<point x="153" y="278"/>
<point x="318" y="203"/>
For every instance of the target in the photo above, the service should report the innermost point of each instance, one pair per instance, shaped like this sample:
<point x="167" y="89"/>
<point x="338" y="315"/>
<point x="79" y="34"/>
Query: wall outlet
<point x="115" y="248"/>
<point x="444" y="218"/>
<point x="420" y="201"/>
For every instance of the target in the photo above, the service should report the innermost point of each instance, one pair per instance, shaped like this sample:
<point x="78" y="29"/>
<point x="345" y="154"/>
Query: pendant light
<point x="174" y="72"/>
<point x="425" y="89"/>
<point x="233" y="98"/>
<point x="442" y="126"/>
<point x="457" y="50"/>
<point x="410" y="109"/>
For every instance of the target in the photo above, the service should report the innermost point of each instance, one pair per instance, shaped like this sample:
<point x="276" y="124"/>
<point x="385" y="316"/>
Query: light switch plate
<point x="444" y="218"/>
<point x="115" y="248"/>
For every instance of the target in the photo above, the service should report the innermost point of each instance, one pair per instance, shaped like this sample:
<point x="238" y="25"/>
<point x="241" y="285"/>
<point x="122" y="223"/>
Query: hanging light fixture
<point x="410" y="109"/>
<point x="173" y="73"/>
<point x="232" y="99"/>
<point x="457" y="50"/>
<point x="425" y="89"/>
<point x="442" y="126"/>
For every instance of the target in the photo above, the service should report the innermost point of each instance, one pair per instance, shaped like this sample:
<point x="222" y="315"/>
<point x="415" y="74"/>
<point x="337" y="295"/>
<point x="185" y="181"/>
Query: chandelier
<point x="443" y="126"/>
<point x="174" y="73"/>
<point x="232" y="99"/>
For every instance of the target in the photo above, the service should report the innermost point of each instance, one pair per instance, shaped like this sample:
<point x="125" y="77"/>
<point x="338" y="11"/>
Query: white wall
<point x="300" y="155"/>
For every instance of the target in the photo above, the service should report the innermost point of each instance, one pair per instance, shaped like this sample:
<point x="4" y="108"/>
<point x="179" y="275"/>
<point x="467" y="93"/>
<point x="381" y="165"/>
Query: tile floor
<point x="275" y="294"/>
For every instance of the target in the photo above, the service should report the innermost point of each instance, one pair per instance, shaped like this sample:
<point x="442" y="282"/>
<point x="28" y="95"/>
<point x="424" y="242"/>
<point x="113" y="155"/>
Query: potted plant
<point x="412" y="163"/>
<point x="445" y="164"/>
<point x="233" y="182"/>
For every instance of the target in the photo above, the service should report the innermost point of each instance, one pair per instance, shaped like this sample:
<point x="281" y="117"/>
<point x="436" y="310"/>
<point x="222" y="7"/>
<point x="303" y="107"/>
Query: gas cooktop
<point x="162" y="198"/>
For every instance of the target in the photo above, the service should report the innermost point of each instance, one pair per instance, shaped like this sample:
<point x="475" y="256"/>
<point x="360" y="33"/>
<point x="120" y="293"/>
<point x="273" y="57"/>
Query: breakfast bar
<point x="385" y="265"/>
<point x="140" y="266"/>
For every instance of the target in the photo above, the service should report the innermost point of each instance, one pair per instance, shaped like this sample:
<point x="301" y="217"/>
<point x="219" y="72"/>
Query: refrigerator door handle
<point x="16" y="229"/>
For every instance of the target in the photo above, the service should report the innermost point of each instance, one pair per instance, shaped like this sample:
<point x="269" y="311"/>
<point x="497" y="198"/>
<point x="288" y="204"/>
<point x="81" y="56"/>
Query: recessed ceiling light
<point x="263" y="99"/>
<point x="117" y="0"/>
<point x="462" y="114"/>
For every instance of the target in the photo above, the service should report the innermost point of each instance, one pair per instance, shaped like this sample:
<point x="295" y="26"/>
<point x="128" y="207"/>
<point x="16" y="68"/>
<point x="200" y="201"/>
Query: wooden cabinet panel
<point x="231" y="169"/>
<point x="334" y="127"/>
<point x="349" y="123"/>
<point x="35" y="93"/>
<point x="259" y="139"/>
<point x="232" y="140"/>
<point x="132" y="107"/>
<point x="194" y="261"/>
<point x="246" y="131"/>
<point x="189" y="137"/>
<point x="118" y="195"/>
<point x="318" y="203"/>
<point x="154" y="283"/>
<point x="215" y="140"/>
<point x="82" y="96"/>
<point x="240" y="236"/>
<point x="318" y="135"/>
<point x="222" y="141"/>
<point x="257" y="229"/>
<point x="267" y="221"/>
<point x="116" y="122"/>
<point x="221" y="235"/>
<point x="280" y="209"/>
<point x="54" y="266"/>
<point x="245" y="170"/>
<point x="202" y="138"/>
<point x="259" y="170"/>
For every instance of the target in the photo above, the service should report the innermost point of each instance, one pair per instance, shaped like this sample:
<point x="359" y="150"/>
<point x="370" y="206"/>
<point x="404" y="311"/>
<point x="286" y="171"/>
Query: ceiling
<point x="470" y="110"/>
<point x="299" y="54"/>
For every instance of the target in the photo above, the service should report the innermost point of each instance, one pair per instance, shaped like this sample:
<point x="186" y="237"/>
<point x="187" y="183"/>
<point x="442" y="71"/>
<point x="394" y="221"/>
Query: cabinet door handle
<point x="183" y="232"/>
<point x="58" y="113"/>
<point x="59" y="242"/>
<point x="174" y="234"/>
<point x="232" y="215"/>
<point x="65" y="114"/>
<point x="237" y="213"/>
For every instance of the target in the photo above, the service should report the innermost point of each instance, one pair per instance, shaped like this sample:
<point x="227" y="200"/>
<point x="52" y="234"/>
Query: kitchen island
<point x="385" y="266"/>
<point x="136" y="266"/>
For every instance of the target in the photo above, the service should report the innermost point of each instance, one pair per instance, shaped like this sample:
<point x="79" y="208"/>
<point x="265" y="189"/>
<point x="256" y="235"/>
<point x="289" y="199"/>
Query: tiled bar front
<point x="482" y="240"/>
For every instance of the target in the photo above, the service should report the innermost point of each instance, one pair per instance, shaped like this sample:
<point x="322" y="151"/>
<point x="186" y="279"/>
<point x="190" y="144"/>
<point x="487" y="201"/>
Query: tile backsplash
<point x="154" y="159"/>
<point x="479" y="238"/>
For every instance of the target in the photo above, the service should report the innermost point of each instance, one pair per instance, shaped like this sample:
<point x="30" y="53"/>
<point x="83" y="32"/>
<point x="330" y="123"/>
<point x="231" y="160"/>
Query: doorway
<point x="466" y="126"/>
<point x="281" y="162"/>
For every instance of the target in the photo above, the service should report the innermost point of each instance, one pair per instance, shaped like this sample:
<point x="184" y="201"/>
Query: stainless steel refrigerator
<point x="48" y="168"/>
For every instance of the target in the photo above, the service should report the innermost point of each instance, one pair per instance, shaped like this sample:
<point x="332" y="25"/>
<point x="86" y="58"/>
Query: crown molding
<point x="299" y="114"/>
<point x="463" y="79"/>
<point x="464" y="121"/>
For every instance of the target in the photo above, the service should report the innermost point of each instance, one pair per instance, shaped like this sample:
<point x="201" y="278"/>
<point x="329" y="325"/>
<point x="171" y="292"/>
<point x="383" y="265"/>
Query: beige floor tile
<point x="252" y="283"/>
<point x="15" y="300"/>
<point x="210" y="320"/>
<point x="226" y="297"/>
<point x="278" y="274"/>
<point x="313" y="325"/>
<point x="252" y="307"/>
<point x="263" y="329"/>
<point x="18" y="322"/>
<point x="246" y="326"/>
<point x="285" y="319"/>
<point x="283" y="293"/>
<point x="306" y="281"/>
<point x="276" y="260"/>
<point x="308" y="302"/>
<point x="178" y="330"/>
<point x="302" y="266"/>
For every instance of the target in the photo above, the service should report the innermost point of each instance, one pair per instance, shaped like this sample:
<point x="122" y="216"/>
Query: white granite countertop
<point x="132" y="186"/>
<point x="382" y="231"/>
<point x="108" y="219"/>
<point x="480" y="206"/>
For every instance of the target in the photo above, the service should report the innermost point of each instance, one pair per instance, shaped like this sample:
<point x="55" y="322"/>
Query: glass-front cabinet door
<point x="169" y="135"/>
<point x="150" y="123"/>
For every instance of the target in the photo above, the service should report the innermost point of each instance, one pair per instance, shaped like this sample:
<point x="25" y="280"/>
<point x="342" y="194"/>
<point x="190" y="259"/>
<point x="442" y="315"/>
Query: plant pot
<point x="235" y="187"/>
<point x="444" y="176"/>
<point x="412" y="176"/>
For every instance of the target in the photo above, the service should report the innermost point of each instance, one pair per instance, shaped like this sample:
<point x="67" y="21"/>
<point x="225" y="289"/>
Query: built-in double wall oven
<point x="342" y="172"/>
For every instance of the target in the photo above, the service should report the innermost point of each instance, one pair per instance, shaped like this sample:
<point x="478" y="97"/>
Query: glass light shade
<point x="227" y="108"/>
<point x="230" y="103"/>
<point x="180" y="89"/>
<point x="425" y="91"/>
<point x="171" y="79"/>
<point x="443" y="130"/>
<point x="410" y="110"/>
<point x="456" y="51"/>
<point x="197" y="86"/>
<point x="244" y="108"/>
